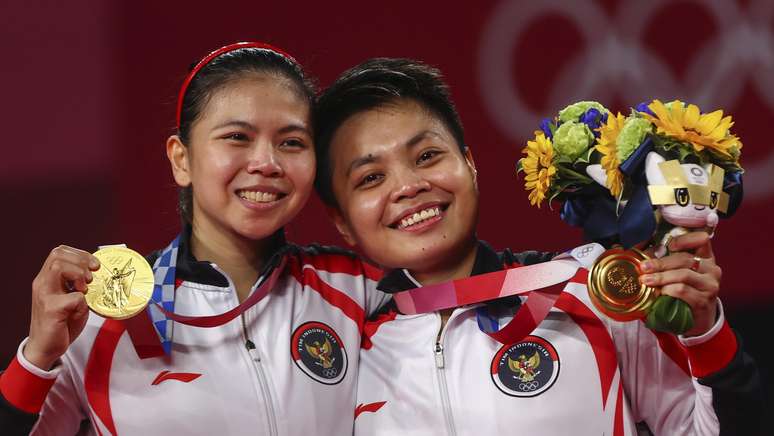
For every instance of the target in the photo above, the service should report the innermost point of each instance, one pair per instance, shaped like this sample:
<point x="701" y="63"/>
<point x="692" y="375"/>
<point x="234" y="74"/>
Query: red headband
<point x="225" y="49"/>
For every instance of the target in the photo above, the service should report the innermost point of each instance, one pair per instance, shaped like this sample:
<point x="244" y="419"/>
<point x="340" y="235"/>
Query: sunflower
<point x="607" y="146"/>
<point x="688" y="124"/>
<point x="538" y="166"/>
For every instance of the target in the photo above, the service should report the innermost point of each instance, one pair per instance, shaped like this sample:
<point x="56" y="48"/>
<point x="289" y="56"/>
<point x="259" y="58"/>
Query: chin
<point x="425" y="257"/>
<point x="258" y="231"/>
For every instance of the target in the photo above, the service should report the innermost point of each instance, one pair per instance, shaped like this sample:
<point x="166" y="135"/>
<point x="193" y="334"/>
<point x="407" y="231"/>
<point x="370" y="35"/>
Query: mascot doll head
<point x="688" y="196"/>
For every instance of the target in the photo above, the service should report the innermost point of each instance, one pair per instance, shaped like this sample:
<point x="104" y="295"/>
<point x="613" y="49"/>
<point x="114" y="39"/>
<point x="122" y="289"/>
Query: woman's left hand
<point x="693" y="278"/>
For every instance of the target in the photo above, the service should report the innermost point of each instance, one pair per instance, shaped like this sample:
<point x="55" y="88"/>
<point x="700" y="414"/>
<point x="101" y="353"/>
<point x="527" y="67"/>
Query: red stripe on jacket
<point x="598" y="337"/>
<point x="308" y="277"/>
<point x="342" y="263"/>
<point x="96" y="379"/>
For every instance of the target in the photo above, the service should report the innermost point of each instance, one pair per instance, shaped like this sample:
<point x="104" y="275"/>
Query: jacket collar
<point x="201" y="271"/>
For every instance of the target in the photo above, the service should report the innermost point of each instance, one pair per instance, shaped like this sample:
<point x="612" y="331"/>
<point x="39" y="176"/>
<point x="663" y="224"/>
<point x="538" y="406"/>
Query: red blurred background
<point x="89" y="90"/>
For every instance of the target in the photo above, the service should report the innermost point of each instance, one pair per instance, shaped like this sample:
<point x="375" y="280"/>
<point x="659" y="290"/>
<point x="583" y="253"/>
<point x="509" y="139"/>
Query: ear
<point x="597" y="173"/>
<point x="471" y="164"/>
<point x="652" y="170"/>
<point x="177" y="153"/>
<point x="341" y="224"/>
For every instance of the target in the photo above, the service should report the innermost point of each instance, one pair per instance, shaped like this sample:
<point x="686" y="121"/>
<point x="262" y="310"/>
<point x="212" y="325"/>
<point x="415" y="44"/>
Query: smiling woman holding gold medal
<point x="243" y="332"/>
<point x="491" y="342"/>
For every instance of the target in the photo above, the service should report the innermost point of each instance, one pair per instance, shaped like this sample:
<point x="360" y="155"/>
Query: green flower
<point x="735" y="152"/>
<point x="631" y="136"/>
<point x="575" y="110"/>
<point x="571" y="139"/>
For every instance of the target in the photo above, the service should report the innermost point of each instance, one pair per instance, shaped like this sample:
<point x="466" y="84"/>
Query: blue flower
<point x="545" y="126"/>
<point x="593" y="118"/>
<point x="643" y="107"/>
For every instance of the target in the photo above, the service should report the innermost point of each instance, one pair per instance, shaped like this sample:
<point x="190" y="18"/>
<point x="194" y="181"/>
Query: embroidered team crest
<point x="319" y="352"/>
<point x="527" y="368"/>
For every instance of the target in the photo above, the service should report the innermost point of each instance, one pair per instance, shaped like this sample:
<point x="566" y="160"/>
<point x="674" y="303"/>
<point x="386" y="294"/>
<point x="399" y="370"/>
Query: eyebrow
<point x="293" y="127"/>
<point x="371" y="158"/>
<point x="235" y="123"/>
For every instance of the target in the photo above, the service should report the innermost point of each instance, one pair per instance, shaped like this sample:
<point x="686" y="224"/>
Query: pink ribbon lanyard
<point x="218" y="320"/>
<point x="545" y="279"/>
<point x="485" y="287"/>
<point x="146" y="340"/>
<point x="529" y="315"/>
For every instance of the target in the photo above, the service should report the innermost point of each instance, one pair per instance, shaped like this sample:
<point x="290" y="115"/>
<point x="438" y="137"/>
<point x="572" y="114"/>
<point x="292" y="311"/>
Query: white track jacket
<point x="287" y="366"/>
<point x="578" y="373"/>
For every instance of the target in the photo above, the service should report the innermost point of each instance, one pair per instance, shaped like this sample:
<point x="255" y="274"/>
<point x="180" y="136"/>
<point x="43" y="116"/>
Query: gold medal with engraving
<point x="615" y="288"/>
<point x="123" y="284"/>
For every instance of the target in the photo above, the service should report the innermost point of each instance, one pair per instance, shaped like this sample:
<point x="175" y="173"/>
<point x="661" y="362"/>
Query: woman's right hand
<point x="59" y="310"/>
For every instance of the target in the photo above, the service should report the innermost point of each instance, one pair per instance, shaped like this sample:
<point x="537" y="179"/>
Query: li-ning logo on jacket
<point x="525" y="369"/>
<point x="185" y="377"/>
<point x="318" y="351"/>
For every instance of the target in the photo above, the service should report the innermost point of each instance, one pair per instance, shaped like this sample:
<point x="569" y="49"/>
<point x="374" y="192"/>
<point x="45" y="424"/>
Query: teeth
<point x="258" y="196"/>
<point x="418" y="217"/>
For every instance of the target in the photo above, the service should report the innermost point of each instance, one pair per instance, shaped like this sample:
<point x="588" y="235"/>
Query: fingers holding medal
<point x="115" y="282"/>
<point x="66" y="269"/>
<point x="59" y="309"/>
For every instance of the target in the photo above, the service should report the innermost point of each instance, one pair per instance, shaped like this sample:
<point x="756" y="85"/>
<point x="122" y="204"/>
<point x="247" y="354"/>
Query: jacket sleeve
<point x="38" y="402"/>
<point x="689" y="386"/>
<point x="14" y="421"/>
<point x="737" y="392"/>
<point x="345" y="271"/>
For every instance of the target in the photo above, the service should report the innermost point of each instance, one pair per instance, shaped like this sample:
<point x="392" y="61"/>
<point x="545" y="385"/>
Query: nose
<point x="263" y="160"/>
<point x="409" y="184"/>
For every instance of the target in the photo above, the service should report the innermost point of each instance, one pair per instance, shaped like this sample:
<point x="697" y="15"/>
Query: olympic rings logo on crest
<point x="528" y="387"/>
<point x="618" y="63"/>
<point x="526" y="368"/>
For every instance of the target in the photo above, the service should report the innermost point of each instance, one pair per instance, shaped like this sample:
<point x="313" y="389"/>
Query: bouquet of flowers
<point x="586" y="148"/>
<point x="637" y="180"/>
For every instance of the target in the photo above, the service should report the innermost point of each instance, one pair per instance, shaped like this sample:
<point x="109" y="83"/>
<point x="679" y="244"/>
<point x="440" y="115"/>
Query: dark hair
<point x="219" y="72"/>
<point x="376" y="83"/>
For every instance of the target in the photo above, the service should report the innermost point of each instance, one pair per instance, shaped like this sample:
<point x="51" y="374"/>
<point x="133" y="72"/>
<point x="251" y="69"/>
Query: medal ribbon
<point x="544" y="282"/>
<point x="485" y="287"/>
<point x="153" y="342"/>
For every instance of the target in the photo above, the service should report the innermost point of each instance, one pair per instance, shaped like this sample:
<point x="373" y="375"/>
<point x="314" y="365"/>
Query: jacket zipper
<point x="439" y="367"/>
<point x="255" y="357"/>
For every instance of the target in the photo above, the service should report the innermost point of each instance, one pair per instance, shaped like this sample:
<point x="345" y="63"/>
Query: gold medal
<point x="123" y="284"/>
<point x="615" y="288"/>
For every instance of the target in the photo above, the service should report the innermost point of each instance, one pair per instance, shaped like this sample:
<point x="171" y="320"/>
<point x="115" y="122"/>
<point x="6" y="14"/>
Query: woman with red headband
<point x="216" y="352"/>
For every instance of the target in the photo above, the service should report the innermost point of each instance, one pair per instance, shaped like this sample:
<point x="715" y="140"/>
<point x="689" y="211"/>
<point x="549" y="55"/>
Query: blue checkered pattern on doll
<point x="164" y="293"/>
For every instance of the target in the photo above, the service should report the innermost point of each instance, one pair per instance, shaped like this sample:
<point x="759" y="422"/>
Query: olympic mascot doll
<point x="636" y="182"/>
